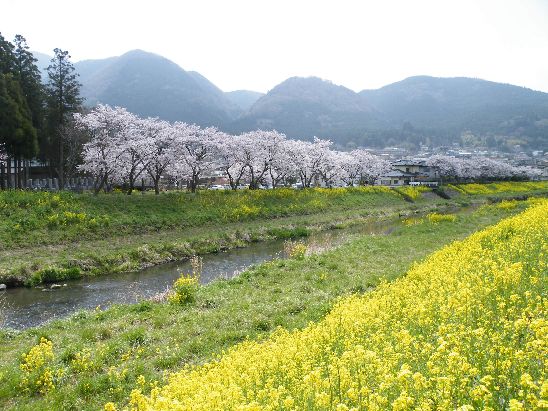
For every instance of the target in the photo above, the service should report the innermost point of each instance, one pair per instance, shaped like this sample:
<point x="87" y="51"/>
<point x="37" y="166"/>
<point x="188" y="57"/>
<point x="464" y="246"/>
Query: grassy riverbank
<point x="49" y="237"/>
<point x="102" y="354"/>
<point x="46" y="237"/>
<point x="463" y="330"/>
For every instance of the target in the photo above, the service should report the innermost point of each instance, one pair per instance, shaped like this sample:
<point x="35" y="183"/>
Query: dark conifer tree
<point x="17" y="135"/>
<point x="29" y="77"/>
<point x="7" y="58"/>
<point x="63" y="100"/>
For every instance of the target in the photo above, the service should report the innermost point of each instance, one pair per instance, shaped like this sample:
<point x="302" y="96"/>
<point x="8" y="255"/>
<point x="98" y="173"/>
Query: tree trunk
<point x="8" y="174"/>
<point x="19" y="174"/>
<point x="156" y="186"/>
<point x="27" y="172"/>
<point x="131" y="186"/>
<point x="99" y="187"/>
<point x="2" y="176"/>
<point x="61" y="168"/>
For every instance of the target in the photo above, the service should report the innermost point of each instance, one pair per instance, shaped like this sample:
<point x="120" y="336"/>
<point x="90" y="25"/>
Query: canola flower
<point x="464" y="330"/>
<point x="413" y="192"/>
<point x="499" y="188"/>
<point x="436" y="218"/>
<point x="35" y="366"/>
<point x="184" y="289"/>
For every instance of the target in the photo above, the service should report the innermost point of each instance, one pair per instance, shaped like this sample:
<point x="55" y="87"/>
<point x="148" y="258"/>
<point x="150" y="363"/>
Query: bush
<point x="436" y="218"/>
<point x="186" y="286"/>
<point x="52" y="274"/>
<point x="184" y="290"/>
<point x="507" y="205"/>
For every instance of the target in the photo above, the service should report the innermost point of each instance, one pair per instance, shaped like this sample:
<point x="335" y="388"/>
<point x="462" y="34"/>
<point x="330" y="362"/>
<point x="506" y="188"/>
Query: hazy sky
<point x="254" y="45"/>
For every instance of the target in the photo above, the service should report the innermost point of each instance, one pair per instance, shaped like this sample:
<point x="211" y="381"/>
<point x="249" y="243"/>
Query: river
<point x="29" y="307"/>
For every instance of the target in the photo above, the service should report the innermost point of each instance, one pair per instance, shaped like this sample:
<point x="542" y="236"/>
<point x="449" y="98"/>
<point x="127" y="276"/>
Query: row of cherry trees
<point x="478" y="169"/>
<point x="124" y="148"/>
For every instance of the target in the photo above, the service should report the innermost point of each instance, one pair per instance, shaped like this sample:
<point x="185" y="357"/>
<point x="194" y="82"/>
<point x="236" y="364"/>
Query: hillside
<point x="307" y="107"/>
<point x="448" y="106"/>
<point x="151" y="85"/>
<point x="413" y="111"/>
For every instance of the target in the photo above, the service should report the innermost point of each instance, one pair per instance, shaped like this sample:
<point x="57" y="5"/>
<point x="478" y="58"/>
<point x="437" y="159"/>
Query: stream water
<point x="28" y="307"/>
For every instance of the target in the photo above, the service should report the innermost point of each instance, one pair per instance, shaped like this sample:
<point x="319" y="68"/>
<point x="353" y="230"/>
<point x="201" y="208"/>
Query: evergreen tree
<point x="17" y="135"/>
<point x="17" y="132"/>
<point x="63" y="99"/>
<point x="7" y="58"/>
<point x="29" y="77"/>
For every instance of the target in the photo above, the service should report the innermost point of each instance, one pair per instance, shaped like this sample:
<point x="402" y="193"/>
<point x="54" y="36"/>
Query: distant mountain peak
<point x="151" y="85"/>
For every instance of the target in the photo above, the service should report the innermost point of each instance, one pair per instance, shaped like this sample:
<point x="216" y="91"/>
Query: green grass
<point x="52" y="237"/>
<point x="43" y="218"/>
<point x="48" y="237"/>
<point x="149" y="339"/>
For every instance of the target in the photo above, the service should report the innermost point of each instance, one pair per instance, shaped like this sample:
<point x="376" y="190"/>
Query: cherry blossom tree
<point x="230" y="158"/>
<point x="329" y="169"/>
<point x="123" y="147"/>
<point x="195" y="150"/>
<point x="159" y="155"/>
<point x="259" y="150"/>
<point x="102" y="153"/>
<point x="133" y="159"/>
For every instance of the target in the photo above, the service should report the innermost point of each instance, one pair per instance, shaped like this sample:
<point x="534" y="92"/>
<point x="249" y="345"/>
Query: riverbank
<point x="140" y="231"/>
<point x="104" y="353"/>
<point x="47" y="237"/>
<point x="464" y="329"/>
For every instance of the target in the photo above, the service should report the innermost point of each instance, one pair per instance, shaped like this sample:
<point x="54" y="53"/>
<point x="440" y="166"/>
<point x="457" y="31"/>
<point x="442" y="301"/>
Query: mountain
<point x="151" y="85"/>
<point x="451" y="106"/>
<point x="306" y="107"/>
<point x="421" y="109"/>
<point x="244" y="98"/>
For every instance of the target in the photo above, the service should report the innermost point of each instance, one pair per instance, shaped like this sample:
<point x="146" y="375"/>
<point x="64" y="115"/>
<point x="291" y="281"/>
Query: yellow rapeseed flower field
<point x="464" y="330"/>
<point x="501" y="187"/>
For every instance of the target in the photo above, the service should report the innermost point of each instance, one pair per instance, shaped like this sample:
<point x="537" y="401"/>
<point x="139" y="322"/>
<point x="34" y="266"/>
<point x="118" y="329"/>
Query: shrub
<point x="436" y="218"/>
<point x="186" y="286"/>
<point x="52" y="274"/>
<point x="412" y="192"/>
<point x="184" y="290"/>
<point x="507" y="205"/>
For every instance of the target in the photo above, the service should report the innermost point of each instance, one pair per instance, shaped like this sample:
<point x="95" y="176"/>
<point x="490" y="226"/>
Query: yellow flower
<point x="465" y="326"/>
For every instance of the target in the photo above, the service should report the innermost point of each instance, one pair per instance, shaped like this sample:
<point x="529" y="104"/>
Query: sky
<point x="256" y="44"/>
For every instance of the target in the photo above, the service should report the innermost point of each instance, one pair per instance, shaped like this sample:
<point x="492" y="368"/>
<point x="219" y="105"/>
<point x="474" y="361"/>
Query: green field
<point x="47" y="237"/>
<point x="103" y="353"/>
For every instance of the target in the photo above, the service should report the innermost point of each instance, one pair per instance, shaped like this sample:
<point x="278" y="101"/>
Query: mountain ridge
<point x="417" y="109"/>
